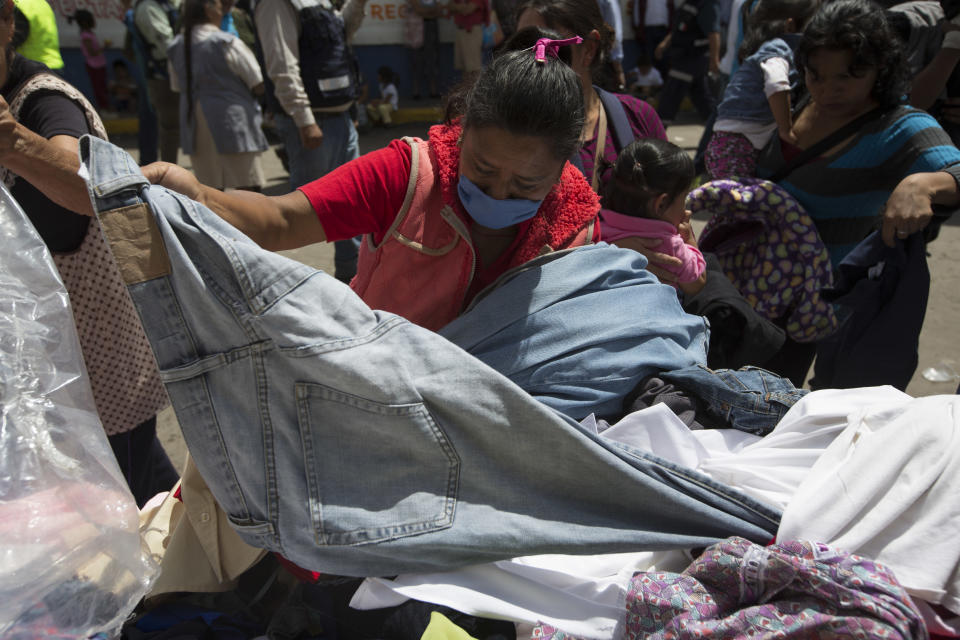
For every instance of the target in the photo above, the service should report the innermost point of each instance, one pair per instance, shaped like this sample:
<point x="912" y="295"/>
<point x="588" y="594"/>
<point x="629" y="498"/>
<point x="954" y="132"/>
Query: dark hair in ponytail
<point x="645" y="169"/>
<point x="193" y="14"/>
<point x="84" y="19"/>
<point x="525" y="97"/>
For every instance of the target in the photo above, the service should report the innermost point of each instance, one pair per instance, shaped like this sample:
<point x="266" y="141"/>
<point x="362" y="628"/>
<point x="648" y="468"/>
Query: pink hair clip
<point x="547" y="45"/>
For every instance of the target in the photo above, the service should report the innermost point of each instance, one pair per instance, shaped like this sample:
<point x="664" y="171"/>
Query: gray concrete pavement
<point x="938" y="341"/>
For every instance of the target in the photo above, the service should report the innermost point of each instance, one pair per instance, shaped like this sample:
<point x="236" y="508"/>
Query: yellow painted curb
<point x="418" y="114"/>
<point x="117" y="126"/>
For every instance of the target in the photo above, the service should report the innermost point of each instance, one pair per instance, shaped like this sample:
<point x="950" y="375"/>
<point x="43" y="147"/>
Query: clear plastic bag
<point x="71" y="560"/>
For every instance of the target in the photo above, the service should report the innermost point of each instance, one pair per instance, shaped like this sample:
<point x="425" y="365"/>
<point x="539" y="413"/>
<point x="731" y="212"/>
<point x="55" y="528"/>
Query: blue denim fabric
<point x="749" y="399"/>
<point x="341" y="144"/>
<point x="580" y="329"/>
<point x="744" y="97"/>
<point x="354" y="442"/>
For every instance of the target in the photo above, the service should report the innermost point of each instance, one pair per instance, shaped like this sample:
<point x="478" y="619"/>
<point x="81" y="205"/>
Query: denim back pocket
<point x="374" y="471"/>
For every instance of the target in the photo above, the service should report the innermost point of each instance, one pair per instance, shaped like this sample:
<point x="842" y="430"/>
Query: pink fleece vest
<point x="423" y="267"/>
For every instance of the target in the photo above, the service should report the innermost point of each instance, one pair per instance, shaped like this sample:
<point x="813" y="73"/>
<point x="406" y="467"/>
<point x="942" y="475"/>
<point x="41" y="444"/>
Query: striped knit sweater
<point x="844" y="193"/>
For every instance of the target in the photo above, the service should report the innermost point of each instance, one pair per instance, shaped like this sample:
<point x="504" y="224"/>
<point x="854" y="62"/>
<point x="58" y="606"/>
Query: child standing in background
<point x="647" y="198"/>
<point x="757" y="99"/>
<point x="381" y="109"/>
<point x="96" y="61"/>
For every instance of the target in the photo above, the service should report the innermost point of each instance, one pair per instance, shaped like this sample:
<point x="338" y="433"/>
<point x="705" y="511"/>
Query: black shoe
<point x="415" y="96"/>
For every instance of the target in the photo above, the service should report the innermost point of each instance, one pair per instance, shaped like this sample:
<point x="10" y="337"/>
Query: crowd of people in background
<point x="830" y="130"/>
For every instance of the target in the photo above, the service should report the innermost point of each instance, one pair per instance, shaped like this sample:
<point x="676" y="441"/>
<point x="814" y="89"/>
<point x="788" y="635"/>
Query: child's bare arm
<point x="780" y="106"/>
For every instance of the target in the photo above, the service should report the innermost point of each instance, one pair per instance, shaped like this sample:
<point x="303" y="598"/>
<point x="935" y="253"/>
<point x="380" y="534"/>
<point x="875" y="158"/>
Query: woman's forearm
<point x="274" y="222"/>
<point x="49" y="165"/>
<point x="944" y="189"/>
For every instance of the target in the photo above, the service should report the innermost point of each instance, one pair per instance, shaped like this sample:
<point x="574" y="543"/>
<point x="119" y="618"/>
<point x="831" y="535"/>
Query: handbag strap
<point x="826" y="144"/>
<point x="598" y="153"/>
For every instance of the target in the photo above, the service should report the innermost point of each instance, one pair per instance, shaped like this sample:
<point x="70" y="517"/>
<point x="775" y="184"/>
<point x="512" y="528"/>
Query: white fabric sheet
<point x="888" y="487"/>
<point x="912" y="529"/>
<point x="583" y="595"/>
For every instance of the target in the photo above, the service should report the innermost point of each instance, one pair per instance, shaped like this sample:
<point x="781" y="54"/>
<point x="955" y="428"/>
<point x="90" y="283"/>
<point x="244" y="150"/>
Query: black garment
<point x="47" y="114"/>
<point x="686" y="406"/>
<point x="739" y="336"/>
<point x="402" y="622"/>
<point x="793" y="360"/>
<point x="143" y="461"/>
<point x="881" y="299"/>
<point x="693" y="21"/>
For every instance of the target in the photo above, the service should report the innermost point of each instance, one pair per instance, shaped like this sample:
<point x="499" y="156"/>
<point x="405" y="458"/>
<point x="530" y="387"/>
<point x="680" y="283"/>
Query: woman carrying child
<point x="756" y="101"/>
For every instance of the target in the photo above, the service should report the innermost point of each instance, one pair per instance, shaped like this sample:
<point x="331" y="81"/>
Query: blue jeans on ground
<point x="340" y="145"/>
<point x="354" y="442"/>
<point x="575" y="313"/>
<point x="750" y="399"/>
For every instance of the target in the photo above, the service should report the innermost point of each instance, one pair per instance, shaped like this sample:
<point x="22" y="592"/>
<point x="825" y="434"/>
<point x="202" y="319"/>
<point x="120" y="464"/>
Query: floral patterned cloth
<point x="737" y="589"/>
<point x="730" y="155"/>
<point x="769" y="248"/>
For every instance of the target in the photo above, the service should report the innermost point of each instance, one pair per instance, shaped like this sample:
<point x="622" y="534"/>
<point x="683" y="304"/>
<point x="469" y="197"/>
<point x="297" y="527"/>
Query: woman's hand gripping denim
<point x="354" y="442"/>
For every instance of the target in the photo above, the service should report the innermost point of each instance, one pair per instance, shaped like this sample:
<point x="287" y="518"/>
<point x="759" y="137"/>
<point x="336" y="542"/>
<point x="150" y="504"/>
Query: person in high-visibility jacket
<point x="36" y="33"/>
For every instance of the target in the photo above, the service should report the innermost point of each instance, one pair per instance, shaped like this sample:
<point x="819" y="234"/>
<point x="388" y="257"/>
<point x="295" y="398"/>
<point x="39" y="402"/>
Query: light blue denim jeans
<point x="354" y="442"/>
<point x="341" y="144"/>
<point x="750" y="399"/>
<point x="579" y="329"/>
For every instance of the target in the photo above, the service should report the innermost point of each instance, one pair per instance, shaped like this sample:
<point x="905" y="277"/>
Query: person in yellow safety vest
<point x="36" y="33"/>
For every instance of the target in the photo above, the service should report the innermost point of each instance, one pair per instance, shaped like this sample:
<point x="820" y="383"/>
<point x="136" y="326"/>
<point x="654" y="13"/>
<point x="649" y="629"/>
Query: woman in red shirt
<point x="445" y="217"/>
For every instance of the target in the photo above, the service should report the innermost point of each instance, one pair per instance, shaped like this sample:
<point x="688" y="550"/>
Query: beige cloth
<point x="468" y="49"/>
<point x="192" y="540"/>
<point x="383" y="112"/>
<point x="222" y="170"/>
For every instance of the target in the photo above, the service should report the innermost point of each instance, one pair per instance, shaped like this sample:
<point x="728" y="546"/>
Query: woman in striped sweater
<point x="891" y="173"/>
<point x="892" y="169"/>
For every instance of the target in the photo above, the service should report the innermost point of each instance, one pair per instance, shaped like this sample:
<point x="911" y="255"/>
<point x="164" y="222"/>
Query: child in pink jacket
<point x="647" y="198"/>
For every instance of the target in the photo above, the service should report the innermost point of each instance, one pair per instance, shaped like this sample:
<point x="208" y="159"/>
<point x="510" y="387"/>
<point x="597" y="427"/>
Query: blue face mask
<point x="493" y="213"/>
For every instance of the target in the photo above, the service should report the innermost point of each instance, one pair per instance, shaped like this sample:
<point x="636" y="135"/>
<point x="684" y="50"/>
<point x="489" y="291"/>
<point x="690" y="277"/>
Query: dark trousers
<point x="652" y="36"/>
<point x="143" y="461"/>
<point x="426" y="60"/>
<point x="166" y="104"/>
<point x="147" y="139"/>
<point x="688" y="74"/>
